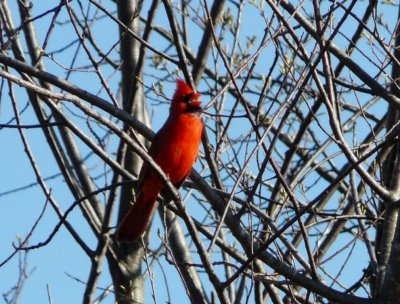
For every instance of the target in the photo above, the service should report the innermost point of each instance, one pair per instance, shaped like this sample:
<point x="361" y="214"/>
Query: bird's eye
<point x="187" y="98"/>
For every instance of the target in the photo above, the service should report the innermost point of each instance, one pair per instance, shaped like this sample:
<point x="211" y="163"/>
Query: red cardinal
<point x="175" y="150"/>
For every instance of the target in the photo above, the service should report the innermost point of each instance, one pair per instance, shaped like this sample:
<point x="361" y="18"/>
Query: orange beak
<point x="195" y="102"/>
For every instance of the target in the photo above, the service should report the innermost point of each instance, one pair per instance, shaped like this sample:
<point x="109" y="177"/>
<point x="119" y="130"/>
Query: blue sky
<point x="52" y="268"/>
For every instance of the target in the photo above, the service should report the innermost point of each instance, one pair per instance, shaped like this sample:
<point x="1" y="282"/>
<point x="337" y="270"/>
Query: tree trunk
<point x="388" y="238"/>
<point x="127" y="272"/>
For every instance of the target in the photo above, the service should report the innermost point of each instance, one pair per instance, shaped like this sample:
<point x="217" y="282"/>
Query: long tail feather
<point x="136" y="220"/>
